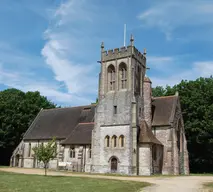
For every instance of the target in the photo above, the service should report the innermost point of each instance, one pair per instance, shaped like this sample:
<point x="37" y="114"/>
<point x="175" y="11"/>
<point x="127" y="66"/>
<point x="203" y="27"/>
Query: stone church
<point x="127" y="132"/>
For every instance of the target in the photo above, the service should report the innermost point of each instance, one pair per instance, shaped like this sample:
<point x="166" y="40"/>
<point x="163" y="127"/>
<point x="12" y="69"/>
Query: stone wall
<point x="106" y="122"/>
<point x="121" y="153"/>
<point x="145" y="159"/>
<point x="147" y="101"/>
<point x="186" y="157"/>
<point x="176" y="153"/>
<point x="157" y="161"/>
<point x="164" y="135"/>
<point x="129" y="104"/>
<point x="27" y="158"/>
<point x="81" y="161"/>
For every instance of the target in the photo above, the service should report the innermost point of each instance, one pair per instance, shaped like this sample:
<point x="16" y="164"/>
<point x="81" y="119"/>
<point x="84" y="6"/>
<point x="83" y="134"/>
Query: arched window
<point x="154" y="152"/>
<point x="111" y="78"/>
<point x="123" y="76"/>
<point x="138" y="80"/>
<point x="114" y="141"/>
<point x="72" y="153"/>
<point x="29" y="150"/>
<point x="121" y="141"/>
<point x="107" y="141"/>
<point x="90" y="153"/>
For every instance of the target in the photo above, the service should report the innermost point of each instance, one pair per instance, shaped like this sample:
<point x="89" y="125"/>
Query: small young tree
<point x="45" y="153"/>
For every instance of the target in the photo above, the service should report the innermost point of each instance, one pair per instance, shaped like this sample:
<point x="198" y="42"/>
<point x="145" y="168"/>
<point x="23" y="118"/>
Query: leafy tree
<point x="158" y="91"/>
<point x="45" y="153"/>
<point x="17" y="111"/>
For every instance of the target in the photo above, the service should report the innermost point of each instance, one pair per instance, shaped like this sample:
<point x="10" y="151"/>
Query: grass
<point x="12" y="182"/>
<point x="201" y="174"/>
<point x="209" y="186"/>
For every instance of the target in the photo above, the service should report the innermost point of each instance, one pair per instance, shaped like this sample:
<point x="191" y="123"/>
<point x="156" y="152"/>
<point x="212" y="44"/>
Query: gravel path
<point x="161" y="184"/>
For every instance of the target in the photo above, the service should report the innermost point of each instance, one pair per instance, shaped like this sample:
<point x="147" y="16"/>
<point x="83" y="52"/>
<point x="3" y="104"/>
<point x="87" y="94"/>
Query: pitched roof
<point x="82" y="134"/>
<point x="146" y="135"/>
<point x="59" y="122"/>
<point x="72" y="124"/>
<point x="163" y="110"/>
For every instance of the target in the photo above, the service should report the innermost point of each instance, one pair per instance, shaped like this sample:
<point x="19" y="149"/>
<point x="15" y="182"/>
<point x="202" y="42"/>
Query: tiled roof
<point x="146" y="135"/>
<point x="82" y="134"/>
<point x="75" y="124"/>
<point x="59" y="122"/>
<point x="163" y="108"/>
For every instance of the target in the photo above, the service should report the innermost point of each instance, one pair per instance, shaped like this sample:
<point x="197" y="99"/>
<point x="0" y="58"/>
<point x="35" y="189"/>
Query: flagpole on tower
<point x="124" y="35"/>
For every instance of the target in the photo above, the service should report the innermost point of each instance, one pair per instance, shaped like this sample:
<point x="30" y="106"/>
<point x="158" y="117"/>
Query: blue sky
<point x="53" y="46"/>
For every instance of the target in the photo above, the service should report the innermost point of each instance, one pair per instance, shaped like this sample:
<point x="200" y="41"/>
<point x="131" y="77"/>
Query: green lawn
<point x="11" y="182"/>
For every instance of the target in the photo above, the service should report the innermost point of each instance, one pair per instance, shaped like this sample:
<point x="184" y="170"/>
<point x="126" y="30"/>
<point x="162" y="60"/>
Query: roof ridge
<point x="69" y="107"/>
<point x="163" y="97"/>
<point x="86" y="123"/>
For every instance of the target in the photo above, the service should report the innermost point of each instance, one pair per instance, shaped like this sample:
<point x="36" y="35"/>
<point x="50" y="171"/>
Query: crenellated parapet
<point x="123" y="52"/>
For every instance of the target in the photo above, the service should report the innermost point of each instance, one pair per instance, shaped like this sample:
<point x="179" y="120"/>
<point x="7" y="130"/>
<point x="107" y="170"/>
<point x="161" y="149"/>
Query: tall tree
<point x="17" y="111"/>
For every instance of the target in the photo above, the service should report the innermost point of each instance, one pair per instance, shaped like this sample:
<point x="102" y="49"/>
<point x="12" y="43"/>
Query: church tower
<point x="119" y="110"/>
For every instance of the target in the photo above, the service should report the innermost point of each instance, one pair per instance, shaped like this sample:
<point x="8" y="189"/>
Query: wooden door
<point x="114" y="164"/>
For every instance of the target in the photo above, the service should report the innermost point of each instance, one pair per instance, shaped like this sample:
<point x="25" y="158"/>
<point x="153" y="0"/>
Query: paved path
<point x="161" y="184"/>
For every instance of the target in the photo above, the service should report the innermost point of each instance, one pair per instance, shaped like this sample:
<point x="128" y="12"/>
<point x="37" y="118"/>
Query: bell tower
<point x="119" y="110"/>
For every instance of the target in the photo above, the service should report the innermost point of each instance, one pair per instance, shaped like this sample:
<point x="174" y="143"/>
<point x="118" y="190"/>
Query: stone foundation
<point x="124" y="170"/>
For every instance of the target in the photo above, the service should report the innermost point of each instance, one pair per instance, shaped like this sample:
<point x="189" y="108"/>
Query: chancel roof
<point x="163" y="109"/>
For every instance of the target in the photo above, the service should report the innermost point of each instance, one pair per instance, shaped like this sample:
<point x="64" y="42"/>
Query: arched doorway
<point x="17" y="161"/>
<point x="114" y="164"/>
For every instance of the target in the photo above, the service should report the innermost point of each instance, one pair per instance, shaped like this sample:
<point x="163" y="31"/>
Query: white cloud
<point x="204" y="68"/>
<point x="65" y="42"/>
<point x="66" y="70"/>
<point x="157" y="62"/>
<point x="66" y="45"/>
<point x="194" y="71"/>
<point x="23" y="82"/>
<point x="5" y="75"/>
<point x="18" y="60"/>
<point x="169" y="16"/>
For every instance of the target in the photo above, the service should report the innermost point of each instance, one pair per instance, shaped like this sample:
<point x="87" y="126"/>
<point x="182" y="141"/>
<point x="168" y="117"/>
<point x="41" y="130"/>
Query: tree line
<point x="18" y="110"/>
